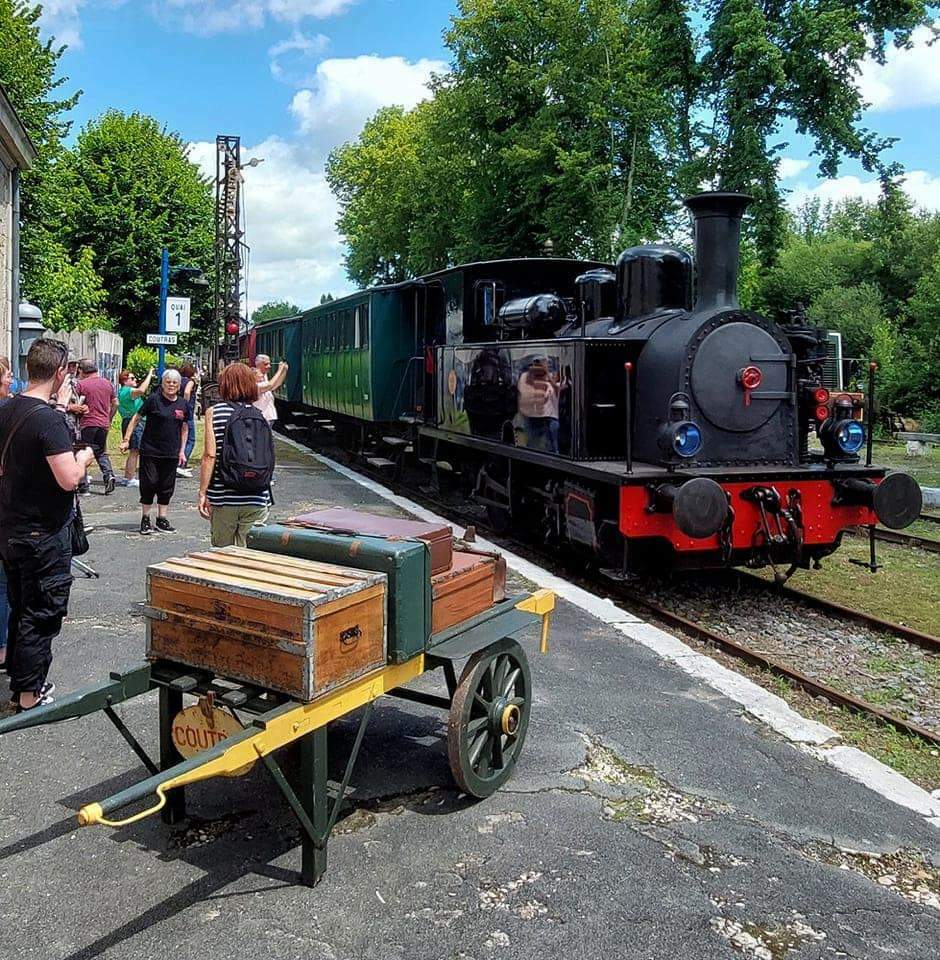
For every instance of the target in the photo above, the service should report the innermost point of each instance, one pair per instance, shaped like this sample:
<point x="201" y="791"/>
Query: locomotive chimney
<point x="717" y="247"/>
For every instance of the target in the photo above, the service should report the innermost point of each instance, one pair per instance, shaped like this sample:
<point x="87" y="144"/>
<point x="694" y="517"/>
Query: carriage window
<point x="357" y="328"/>
<point x="487" y="302"/>
<point x="348" y="323"/>
<point x="364" y="324"/>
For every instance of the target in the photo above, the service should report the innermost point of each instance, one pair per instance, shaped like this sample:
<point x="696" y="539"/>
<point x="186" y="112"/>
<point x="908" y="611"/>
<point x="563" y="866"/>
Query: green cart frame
<point x="488" y="707"/>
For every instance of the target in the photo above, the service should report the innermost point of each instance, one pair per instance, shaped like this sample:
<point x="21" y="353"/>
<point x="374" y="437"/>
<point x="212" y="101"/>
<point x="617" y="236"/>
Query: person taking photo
<point x="130" y="399"/>
<point x="39" y="474"/>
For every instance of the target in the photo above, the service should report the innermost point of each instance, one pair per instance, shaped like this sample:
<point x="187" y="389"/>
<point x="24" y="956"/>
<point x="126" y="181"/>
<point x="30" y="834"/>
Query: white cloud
<point x="288" y="57"/>
<point x="922" y="187"/>
<point x="346" y="92"/>
<point x="290" y="220"/>
<point x="787" y="167"/>
<point x="907" y="78"/>
<point x="208" y="17"/>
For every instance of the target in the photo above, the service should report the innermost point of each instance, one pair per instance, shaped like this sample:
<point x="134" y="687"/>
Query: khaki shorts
<point x="230" y="525"/>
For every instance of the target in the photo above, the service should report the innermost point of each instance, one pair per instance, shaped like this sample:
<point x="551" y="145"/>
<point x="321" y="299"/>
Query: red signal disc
<point x="821" y="395"/>
<point x="822" y="413"/>
<point x="751" y="378"/>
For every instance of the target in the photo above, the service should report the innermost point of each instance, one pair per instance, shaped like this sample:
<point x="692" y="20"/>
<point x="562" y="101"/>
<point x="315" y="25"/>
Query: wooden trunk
<point x="285" y="624"/>
<point x="474" y="582"/>
<point x="438" y="537"/>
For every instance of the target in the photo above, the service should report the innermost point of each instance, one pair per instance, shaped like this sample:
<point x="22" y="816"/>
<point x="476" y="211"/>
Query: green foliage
<point x="273" y="310"/>
<point x="141" y="360"/>
<point x="326" y="298"/>
<point x="67" y="290"/>
<point x="127" y="190"/>
<point x="28" y="73"/>
<point x="584" y="121"/>
<point x="872" y="272"/>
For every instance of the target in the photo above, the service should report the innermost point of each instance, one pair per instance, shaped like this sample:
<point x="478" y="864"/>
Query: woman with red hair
<point x="231" y="512"/>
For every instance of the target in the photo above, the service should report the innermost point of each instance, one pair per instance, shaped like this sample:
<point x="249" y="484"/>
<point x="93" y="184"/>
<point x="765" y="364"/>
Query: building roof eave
<point x="14" y="138"/>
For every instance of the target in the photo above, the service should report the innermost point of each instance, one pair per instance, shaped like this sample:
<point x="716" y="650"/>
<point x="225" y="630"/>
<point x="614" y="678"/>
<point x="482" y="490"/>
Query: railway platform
<point x="651" y="814"/>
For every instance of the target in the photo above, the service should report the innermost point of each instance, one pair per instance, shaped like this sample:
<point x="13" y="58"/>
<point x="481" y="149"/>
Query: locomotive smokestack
<point x="717" y="247"/>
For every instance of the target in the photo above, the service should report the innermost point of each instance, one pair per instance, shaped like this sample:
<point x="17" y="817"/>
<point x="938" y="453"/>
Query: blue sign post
<point x="164" y="293"/>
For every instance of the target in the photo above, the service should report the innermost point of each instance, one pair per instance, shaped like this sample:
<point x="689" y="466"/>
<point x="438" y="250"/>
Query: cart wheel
<point x="489" y="717"/>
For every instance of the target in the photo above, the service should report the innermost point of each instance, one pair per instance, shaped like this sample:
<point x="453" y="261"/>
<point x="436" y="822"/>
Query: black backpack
<point x="247" y="461"/>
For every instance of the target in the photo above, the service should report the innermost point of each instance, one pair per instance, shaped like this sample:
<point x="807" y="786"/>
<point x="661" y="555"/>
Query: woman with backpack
<point x="237" y="462"/>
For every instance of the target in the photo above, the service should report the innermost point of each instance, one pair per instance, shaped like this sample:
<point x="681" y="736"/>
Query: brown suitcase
<point x="439" y="537"/>
<point x="297" y="626"/>
<point x="474" y="582"/>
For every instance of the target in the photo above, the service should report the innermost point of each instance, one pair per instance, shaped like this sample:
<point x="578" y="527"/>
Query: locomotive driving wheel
<point x="489" y="717"/>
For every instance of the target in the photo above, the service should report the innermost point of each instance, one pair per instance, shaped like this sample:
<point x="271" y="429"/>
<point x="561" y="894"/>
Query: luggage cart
<point x="236" y="724"/>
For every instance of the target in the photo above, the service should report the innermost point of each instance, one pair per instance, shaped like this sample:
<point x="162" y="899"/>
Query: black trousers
<point x="97" y="439"/>
<point x="157" y="479"/>
<point x="38" y="584"/>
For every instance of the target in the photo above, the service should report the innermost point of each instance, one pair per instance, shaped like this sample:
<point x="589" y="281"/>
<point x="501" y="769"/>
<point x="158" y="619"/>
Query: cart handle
<point x="268" y="733"/>
<point x="541" y="603"/>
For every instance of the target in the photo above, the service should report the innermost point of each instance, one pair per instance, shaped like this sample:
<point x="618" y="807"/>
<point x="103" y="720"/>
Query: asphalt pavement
<point x="649" y="817"/>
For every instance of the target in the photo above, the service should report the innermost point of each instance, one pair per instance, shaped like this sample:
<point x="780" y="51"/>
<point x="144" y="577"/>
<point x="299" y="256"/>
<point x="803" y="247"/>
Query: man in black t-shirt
<point x="39" y="473"/>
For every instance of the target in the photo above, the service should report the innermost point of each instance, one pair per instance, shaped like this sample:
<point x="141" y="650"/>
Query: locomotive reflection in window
<point x="517" y="396"/>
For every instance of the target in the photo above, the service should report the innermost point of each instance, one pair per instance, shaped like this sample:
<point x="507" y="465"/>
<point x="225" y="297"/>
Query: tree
<point x="768" y="64"/>
<point x="67" y="290"/>
<point x="584" y="121"/>
<point x="127" y="190"/>
<point x="326" y="298"/>
<point x="274" y="310"/>
<point x="62" y="282"/>
<point x="550" y="126"/>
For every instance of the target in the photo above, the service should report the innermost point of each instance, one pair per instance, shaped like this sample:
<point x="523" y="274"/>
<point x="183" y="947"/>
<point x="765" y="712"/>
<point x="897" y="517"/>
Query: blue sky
<point x="294" y="78"/>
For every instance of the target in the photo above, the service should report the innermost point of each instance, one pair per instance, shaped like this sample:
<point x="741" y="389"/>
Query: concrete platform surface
<point x="650" y="817"/>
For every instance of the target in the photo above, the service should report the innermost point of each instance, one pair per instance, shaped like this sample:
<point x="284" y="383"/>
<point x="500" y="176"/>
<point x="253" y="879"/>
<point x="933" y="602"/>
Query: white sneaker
<point x="183" y="472"/>
<point x="133" y="482"/>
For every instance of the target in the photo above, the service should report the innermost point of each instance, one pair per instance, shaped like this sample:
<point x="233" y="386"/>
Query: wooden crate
<point x="474" y="582"/>
<point x="286" y="624"/>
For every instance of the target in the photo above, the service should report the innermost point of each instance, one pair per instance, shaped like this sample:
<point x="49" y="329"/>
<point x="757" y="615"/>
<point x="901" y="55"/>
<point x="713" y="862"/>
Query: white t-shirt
<point x="265" y="403"/>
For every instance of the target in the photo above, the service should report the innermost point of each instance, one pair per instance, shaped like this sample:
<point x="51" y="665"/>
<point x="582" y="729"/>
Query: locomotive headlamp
<point x="842" y="436"/>
<point x="680" y="436"/>
<point x="686" y="439"/>
<point x="850" y="435"/>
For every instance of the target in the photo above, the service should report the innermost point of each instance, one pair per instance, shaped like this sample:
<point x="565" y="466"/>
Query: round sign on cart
<point x="200" y="727"/>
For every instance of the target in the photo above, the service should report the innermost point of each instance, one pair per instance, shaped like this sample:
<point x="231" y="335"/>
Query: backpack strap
<point x="12" y="433"/>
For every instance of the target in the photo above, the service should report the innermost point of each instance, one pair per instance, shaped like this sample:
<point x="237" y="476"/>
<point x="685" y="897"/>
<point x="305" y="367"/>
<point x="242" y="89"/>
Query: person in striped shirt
<point x="231" y="513"/>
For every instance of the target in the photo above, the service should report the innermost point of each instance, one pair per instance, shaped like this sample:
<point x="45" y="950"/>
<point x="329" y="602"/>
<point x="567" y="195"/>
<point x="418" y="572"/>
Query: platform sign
<point x="202" y="726"/>
<point x="177" y="314"/>
<point x="162" y="339"/>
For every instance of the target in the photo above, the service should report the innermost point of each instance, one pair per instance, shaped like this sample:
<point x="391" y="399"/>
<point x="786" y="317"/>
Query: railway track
<point x="904" y="539"/>
<point x="629" y="598"/>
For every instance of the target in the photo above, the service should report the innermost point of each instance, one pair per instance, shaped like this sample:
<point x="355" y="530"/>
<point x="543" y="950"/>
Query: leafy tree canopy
<point x="273" y="310"/>
<point x="127" y="190"/>
<point x="584" y="122"/>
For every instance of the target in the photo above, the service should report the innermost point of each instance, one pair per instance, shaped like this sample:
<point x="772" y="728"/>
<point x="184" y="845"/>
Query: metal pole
<point x="870" y="412"/>
<point x="164" y="292"/>
<point x="15" y="316"/>
<point x="628" y="414"/>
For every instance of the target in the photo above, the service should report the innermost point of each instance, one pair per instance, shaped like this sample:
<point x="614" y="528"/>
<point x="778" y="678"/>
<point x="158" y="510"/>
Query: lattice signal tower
<point x="228" y="244"/>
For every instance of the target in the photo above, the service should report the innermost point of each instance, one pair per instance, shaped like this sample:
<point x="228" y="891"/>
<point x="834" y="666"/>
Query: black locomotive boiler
<point x="603" y="406"/>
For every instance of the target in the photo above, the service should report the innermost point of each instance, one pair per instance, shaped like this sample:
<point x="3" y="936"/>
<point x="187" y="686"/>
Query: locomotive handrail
<point x="401" y="384"/>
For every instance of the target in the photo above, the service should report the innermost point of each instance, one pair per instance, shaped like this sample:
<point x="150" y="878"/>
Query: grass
<point x="925" y="470"/>
<point x="905" y="591"/>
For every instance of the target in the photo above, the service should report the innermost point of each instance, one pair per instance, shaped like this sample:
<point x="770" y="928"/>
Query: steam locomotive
<point x="601" y="406"/>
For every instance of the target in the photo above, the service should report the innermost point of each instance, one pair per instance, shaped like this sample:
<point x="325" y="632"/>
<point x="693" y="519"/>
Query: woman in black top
<point x="162" y="448"/>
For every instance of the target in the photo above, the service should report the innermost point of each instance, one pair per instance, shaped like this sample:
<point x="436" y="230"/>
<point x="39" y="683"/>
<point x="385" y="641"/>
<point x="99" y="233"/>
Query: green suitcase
<point x="407" y="563"/>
